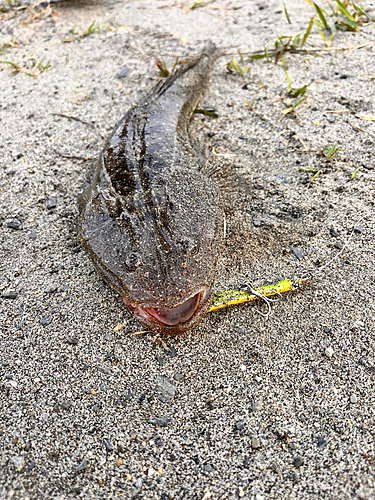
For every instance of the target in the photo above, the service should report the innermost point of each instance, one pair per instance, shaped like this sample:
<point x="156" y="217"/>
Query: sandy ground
<point x="242" y="406"/>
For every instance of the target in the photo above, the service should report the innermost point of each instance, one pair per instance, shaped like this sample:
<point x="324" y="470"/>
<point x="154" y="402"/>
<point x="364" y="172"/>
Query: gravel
<point x="61" y="401"/>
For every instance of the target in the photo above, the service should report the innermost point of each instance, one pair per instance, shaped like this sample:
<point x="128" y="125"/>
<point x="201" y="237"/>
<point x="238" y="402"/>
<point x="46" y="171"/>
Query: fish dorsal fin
<point x="235" y="187"/>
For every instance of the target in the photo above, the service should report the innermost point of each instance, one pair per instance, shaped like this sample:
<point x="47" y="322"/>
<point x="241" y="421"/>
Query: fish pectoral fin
<point x="235" y="188"/>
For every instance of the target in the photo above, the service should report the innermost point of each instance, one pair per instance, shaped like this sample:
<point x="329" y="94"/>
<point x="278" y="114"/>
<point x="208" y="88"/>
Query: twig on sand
<point x="73" y="157"/>
<point x="81" y="121"/>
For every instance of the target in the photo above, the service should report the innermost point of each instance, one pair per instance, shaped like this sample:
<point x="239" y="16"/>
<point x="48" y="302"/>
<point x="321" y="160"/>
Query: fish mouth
<point x="168" y="318"/>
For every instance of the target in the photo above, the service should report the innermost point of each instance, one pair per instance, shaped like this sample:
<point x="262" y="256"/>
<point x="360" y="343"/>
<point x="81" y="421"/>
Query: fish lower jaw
<point x="173" y="320"/>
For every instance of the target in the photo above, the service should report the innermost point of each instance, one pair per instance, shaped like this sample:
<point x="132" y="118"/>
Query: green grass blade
<point x="308" y="31"/>
<point x="286" y="13"/>
<point x="342" y="9"/>
<point x="321" y="16"/>
<point x="299" y="102"/>
<point x="286" y="75"/>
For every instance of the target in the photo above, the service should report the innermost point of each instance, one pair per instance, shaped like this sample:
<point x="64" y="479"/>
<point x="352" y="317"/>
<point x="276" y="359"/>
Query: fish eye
<point x="188" y="246"/>
<point x="132" y="261"/>
<point x="194" y="250"/>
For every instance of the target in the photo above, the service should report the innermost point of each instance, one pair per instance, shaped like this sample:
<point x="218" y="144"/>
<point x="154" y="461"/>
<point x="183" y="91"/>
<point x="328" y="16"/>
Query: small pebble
<point x="83" y="465"/>
<point x="72" y="341"/>
<point x="329" y="352"/>
<point x="108" y="446"/>
<point x="321" y="441"/>
<point x="294" y="477"/>
<point x="123" y="71"/>
<point x="95" y="409"/>
<point x="338" y="245"/>
<point x="32" y="235"/>
<point x="161" y="360"/>
<point x="108" y="337"/>
<point x="138" y="483"/>
<point x="242" y="137"/>
<point x="178" y="376"/>
<point x="298" y="461"/>
<point x="208" y="468"/>
<point x="255" y="443"/>
<point x="51" y="203"/>
<point x="331" y="118"/>
<point x="10" y="295"/>
<point x="165" y="389"/>
<point x="66" y="405"/>
<point x="357" y="229"/>
<point x="210" y="134"/>
<point x="333" y="232"/>
<point x="19" y="462"/>
<point x="298" y="253"/>
<point x="161" y="421"/>
<point x="353" y="398"/>
<point x="46" y="320"/>
<point x="171" y="352"/>
<point x="241" y="424"/>
<point x="14" y="224"/>
<point x="256" y="406"/>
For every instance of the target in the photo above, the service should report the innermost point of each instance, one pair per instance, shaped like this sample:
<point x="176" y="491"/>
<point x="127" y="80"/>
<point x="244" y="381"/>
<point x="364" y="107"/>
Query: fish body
<point x="151" y="218"/>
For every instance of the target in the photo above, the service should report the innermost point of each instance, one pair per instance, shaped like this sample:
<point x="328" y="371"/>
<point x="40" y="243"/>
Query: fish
<point x="152" y="217"/>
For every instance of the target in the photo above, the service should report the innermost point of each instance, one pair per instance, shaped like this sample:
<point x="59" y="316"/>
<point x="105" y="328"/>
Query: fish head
<point x="160" y="251"/>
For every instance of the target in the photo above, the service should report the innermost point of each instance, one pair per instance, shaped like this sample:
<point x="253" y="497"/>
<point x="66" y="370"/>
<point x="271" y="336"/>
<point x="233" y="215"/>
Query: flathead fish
<point x="151" y="219"/>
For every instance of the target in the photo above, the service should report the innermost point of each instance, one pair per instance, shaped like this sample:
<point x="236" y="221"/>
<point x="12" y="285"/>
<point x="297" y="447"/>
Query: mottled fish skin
<point x="151" y="219"/>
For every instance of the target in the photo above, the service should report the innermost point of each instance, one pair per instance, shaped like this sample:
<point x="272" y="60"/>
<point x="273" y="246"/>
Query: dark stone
<point x="159" y="443"/>
<point x="245" y="87"/>
<point x="326" y="330"/>
<point x="142" y="398"/>
<point x="30" y="466"/>
<point x="241" y="424"/>
<point x="208" y="468"/>
<point x="357" y="229"/>
<point x="321" y="441"/>
<point x="46" y="320"/>
<point x="51" y="203"/>
<point x="95" y="409"/>
<point x="210" y="134"/>
<point x="108" y="446"/>
<point x="66" y="405"/>
<point x="109" y="355"/>
<point x="298" y="253"/>
<point x="338" y="245"/>
<point x="298" y="461"/>
<point x="242" y="137"/>
<point x="10" y="295"/>
<point x="14" y="224"/>
<point x="72" y="341"/>
<point x="162" y="421"/>
<point x="294" y="476"/>
<point x="123" y="72"/>
<point x="171" y="352"/>
<point x="32" y="235"/>
<point x="333" y="232"/>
